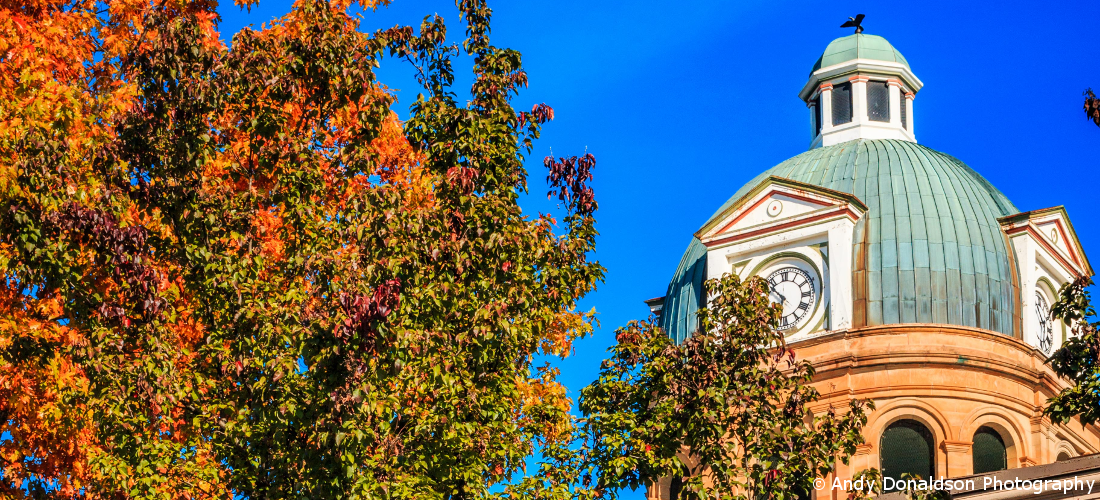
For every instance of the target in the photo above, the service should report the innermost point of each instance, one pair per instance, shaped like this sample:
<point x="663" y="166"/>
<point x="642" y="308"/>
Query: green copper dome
<point x="858" y="46"/>
<point x="936" y="252"/>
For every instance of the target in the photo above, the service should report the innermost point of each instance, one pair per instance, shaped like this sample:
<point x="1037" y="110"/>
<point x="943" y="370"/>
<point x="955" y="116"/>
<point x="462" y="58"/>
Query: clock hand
<point x="781" y="297"/>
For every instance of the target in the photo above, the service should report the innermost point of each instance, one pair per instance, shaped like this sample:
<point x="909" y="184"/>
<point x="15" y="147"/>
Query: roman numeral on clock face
<point x="792" y="289"/>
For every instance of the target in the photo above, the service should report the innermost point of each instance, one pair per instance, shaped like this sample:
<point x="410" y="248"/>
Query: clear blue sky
<point x="683" y="102"/>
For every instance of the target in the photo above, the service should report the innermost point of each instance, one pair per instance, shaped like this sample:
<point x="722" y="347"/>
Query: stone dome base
<point x="953" y="380"/>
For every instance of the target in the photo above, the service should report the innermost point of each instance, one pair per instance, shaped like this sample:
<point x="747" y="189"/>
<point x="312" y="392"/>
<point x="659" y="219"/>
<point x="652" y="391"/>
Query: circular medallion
<point x="793" y="289"/>
<point x="774" y="208"/>
<point x="1054" y="235"/>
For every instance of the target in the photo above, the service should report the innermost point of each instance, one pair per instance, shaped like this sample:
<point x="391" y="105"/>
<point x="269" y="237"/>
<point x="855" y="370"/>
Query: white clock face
<point x="1046" y="325"/>
<point x="793" y="289"/>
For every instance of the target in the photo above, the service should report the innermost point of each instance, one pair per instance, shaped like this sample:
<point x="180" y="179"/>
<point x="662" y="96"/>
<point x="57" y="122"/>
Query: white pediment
<point x="1052" y="232"/>
<point x="778" y="204"/>
<point x="1055" y="234"/>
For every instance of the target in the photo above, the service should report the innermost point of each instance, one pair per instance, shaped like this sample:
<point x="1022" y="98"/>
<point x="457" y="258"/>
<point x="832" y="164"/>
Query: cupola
<point x="860" y="88"/>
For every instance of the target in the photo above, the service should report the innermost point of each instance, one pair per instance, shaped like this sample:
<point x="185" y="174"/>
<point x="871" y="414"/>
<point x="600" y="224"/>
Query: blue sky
<point x="683" y="102"/>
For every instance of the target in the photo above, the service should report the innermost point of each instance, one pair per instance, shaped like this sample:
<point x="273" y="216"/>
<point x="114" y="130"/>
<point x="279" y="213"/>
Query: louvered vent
<point x="907" y="447"/>
<point x="842" y="103"/>
<point x="904" y="112"/>
<point x="817" y="115"/>
<point x="989" y="451"/>
<point x="878" y="101"/>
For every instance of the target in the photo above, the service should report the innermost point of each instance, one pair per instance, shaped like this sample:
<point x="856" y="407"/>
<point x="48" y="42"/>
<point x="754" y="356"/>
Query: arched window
<point x="989" y="450"/>
<point x="1063" y="456"/>
<point x="907" y="448"/>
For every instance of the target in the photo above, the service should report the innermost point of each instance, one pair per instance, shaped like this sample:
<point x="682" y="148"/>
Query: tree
<point x="728" y="406"/>
<point x="1076" y="360"/>
<point x="230" y="271"/>
<point x="1092" y="107"/>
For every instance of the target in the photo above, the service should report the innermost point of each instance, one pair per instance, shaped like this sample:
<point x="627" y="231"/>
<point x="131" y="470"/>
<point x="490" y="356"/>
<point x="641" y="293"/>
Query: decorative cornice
<point x="1014" y="222"/>
<point x="957" y="446"/>
<point x="1030" y="229"/>
<point x="846" y="358"/>
<point x="856" y="66"/>
<point x="838" y="213"/>
<point x="1040" y="420"/>
<point x="774" y="180"/>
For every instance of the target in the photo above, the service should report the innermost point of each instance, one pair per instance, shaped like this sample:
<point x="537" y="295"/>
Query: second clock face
<point x="794" y="290"/>
<point x="1046" y="326"/>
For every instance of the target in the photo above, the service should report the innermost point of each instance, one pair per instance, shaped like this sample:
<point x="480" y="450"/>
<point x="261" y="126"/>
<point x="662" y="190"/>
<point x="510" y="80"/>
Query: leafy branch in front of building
<point x="725" y="414"/>
<point x="1077" y="359"/>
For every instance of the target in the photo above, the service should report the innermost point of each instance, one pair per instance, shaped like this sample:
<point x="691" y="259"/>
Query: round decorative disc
<point x="775" y="207"/>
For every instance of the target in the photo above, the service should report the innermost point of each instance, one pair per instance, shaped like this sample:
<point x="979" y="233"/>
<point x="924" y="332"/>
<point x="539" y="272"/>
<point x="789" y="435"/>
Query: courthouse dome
<point x="936" y="251"/>
<point x="858" y="46"/>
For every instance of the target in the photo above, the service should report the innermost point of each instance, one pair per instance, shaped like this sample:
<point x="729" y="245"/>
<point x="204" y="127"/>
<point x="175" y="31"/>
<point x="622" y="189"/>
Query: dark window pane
<point x="989" y="451"/>
<point x="878" y="101"/>
<point x="906" y="448"/>
<point x="1063" y="456"/>
<point x="817" y="115"/>
<point x="842" y="103"/>
<point x="904" y="112"/>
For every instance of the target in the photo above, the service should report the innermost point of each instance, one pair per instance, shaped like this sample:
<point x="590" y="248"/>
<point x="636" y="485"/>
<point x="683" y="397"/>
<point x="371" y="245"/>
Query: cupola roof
<point x="858" y="46"/>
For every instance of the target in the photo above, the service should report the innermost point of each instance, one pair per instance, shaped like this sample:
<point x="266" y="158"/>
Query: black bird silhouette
<point x="854" y="22"/>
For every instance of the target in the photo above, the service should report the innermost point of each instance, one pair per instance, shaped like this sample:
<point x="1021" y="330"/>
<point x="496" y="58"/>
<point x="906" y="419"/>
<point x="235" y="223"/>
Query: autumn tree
<point x="231" y="272"/>
<point x="1092" y="107"/>
<point x="725" y="414"/>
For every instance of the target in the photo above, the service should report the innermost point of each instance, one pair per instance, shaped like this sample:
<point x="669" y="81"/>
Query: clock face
<point x="793" y="289"/>
<point x="1046" y="326"/>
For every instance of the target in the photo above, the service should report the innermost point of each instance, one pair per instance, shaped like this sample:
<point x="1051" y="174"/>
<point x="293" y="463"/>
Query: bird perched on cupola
<point x="854" y="22"/>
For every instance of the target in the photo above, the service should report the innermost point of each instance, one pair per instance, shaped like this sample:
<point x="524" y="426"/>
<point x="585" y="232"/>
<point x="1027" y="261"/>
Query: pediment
<point x="1051" y="228"/>
<point x="777" y="204"/>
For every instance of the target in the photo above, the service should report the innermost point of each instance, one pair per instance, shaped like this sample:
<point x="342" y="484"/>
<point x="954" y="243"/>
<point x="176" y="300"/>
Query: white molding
<point x="815" y="224"/>
<point x="870" y="66"/>
<point x="861" y="127"/>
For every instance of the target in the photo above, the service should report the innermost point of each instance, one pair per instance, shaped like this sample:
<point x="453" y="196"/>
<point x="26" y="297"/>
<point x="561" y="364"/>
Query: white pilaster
<point x="840" y="266"/>
<point x="826" y="108"/>
<point x="909" y="97"/>
<point x="860" y="73"/>
<point x="859" y="99"/>
<point x="895" y="102"/>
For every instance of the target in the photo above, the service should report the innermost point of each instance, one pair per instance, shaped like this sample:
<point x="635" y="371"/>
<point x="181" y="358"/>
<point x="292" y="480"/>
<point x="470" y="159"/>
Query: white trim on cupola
<point x="857" y="76"/>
